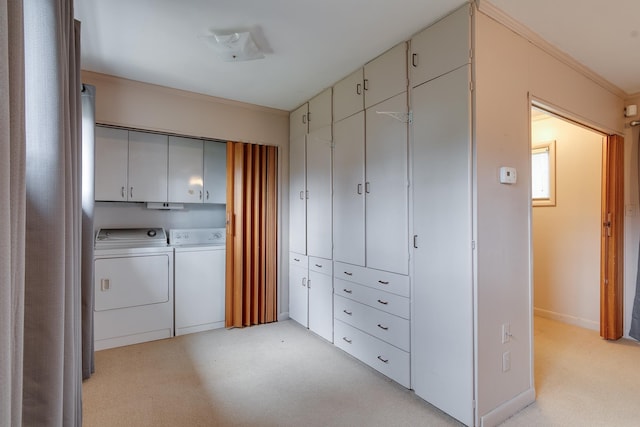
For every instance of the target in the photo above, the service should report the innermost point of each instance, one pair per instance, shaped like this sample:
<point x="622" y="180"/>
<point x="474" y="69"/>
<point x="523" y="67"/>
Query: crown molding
<point x="493" y="12"/>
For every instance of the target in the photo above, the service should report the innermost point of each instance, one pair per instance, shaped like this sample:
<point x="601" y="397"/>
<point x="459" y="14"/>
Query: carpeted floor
<point x="282" y="375"/>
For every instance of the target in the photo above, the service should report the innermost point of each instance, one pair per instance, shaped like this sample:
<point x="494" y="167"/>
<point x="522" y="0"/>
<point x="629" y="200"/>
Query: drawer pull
<point x="348" y="291"/>
<point x="319" y="265"/>
<point x="380" y="358"/>
<point x="347" y="340"/>
<point x="348" y="274"/>
<point x="296" y="259"/>
<point x="383" y="302"/>
<point x="350" y="313"/>
<point x="383" y="282"/>
<point x="384" y="328"/>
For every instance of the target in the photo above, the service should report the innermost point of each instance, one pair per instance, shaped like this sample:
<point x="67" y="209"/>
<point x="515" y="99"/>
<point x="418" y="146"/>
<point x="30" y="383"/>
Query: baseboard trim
<point x="283" y="316"/>
<point x="508" y="409"/>
<point x="565" y="318"/>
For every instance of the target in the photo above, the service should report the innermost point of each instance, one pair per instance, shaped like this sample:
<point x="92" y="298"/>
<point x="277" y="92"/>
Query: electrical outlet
<point x="506" y="332"/>
<point x="506" y="361"/>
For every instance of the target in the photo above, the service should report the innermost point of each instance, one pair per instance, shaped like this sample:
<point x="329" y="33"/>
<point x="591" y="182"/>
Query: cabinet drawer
<point x="321" y="265"/>
<point x="390" y="303"/>
<point x="383" y="357"/>
<point x="299" y="260"/>
<point x="387" y="327"/>
<point x="389" y="282"/>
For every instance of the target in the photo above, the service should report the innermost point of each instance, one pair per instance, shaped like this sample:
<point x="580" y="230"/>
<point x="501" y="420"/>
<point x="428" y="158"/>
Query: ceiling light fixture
<point x="234" y="47"/>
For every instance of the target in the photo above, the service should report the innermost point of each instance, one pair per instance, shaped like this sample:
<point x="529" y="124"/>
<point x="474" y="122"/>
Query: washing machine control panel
<point x="197" y="236"/>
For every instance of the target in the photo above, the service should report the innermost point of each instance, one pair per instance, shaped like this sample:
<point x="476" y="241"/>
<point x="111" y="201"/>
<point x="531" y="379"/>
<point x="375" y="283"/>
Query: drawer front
<point x="390" y="303"/>
<point x="297" y="259"/>
<point x="389" y="282"/>
<point x="385" y="358"/>
<point x="321" y="265"/>
<point x="387" y="327"/>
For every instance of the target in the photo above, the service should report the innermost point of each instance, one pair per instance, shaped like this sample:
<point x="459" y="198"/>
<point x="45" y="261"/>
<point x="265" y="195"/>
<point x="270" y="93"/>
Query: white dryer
<point x="133" y="287"/>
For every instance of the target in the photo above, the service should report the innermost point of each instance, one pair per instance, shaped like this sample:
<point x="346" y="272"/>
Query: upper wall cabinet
<point x="385" y="76"/>
<point x="298" y="123"/>
<point x="320" y="110"/>
<point x="442" y="47"/>
<point x="111" y="160"/>
<point x="185" y="170"/>
<point x="348" y="96"/>
<point x="380" y="79"/>
<point x="215" y="172"/>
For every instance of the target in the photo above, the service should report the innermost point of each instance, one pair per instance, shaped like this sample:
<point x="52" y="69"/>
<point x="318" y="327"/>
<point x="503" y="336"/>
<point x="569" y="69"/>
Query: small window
<point x="543" y="174"/>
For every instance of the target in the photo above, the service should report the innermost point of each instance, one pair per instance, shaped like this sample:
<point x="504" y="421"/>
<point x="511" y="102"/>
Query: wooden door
<point x="319" y="239"/>
<point x="297" y="195"/>
<point x="215" y="172"/>
<point x="386" y="75"/>
<point x="320" y="110"/>
<point x="348" y="96"/>
<point x="111" y="158"/>
<point x="611" y="266"/>
<point x="298" y="293"/>
<point x="148" y="166"/>
<point x="185" y="181"/>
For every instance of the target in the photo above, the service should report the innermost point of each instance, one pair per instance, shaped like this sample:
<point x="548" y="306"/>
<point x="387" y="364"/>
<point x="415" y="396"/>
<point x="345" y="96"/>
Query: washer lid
<point x="130" y="237"/>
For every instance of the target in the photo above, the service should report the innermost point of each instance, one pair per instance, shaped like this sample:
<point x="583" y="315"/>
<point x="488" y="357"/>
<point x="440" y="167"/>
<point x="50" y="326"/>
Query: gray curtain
<point x="40" y="216"/>
<point x="634" y="330"/>
<point x="12" y="211"/>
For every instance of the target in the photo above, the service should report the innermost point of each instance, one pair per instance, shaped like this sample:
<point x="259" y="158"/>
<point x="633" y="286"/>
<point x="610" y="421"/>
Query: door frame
<point x="612" y="223"/>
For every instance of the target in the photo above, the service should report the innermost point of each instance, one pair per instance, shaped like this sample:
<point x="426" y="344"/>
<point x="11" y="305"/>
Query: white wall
<point x="566" y="237"/>
<point x="508" y="70"/>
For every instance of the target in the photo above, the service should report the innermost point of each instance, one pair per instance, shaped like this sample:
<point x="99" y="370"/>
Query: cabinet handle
<point x="384" y="328"/>
<point x="296" y="259"/>
<point x="307" y="192"/>
<point x="302" y="195"/>
<point x="348" y="291"/>
<point x="367" y="187"/>
<point x="319" y="265"/>
<point x="383" y="282"/>
<point x="346" y="340"/>
<point x="366" y="84"/>
<point x="383" y="360"/>
<point x="415" y="241"/>
<point x="350" y="313"/>
<point x="414" y="59"/>
<point x="383" y="302"/>
<point x="131" y="193"/>
<point x="200" y="194"/>
<point x="348" y="274"/>
<point x="123" y="193"/>
<point x="359" y="89"/>
<point x="105" y="285"/>
<point x="304" y="119"/>
<point x="304" y="282"/>
<point x="359" y="188"/>
<point x="207" y="194"/>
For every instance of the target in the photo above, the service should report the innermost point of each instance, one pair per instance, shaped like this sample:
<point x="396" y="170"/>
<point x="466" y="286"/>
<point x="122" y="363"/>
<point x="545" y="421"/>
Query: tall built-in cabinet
<point x="310" y="224"/>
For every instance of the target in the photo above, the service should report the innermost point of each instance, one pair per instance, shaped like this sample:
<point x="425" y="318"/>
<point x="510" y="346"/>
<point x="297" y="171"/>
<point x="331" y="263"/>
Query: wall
<point x="632" y="214"/>
<point x="145" y="106"/>
<point x="566" y="237"/>
<point x="508" y="69"/>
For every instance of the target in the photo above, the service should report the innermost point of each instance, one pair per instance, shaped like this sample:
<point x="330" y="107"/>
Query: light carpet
<point x="282" y="375"/>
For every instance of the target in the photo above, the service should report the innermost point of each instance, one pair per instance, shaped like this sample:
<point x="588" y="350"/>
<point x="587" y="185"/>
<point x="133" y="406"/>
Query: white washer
<point x="200" y="262"/>
<point x="133" y="287"/>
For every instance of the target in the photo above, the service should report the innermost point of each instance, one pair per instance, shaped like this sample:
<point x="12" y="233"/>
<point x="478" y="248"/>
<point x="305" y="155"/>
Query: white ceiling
<point x="310" y="44"/>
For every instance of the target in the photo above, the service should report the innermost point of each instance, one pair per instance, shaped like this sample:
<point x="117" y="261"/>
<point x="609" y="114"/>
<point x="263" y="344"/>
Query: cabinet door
<point x="215" y="172"/>
<point x="297" y="195"/>
<point x="185" y="182"/>
<point x="298" y="294"/>
<point x="348" y="190"/>
<point x="442" y="47"/>
<point x="298" y="124"/>
<point x="319" y="242"/>
<point x="321" y="305"/>
<point x="385" y="76"/>
<point x="442" y="261"/>
<point x="111" y="158"/>
<point x="148" y="166"/>
<point x="348" y="96"/>
<point x="387" y="193"/>
<point x="320" y="110"/>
